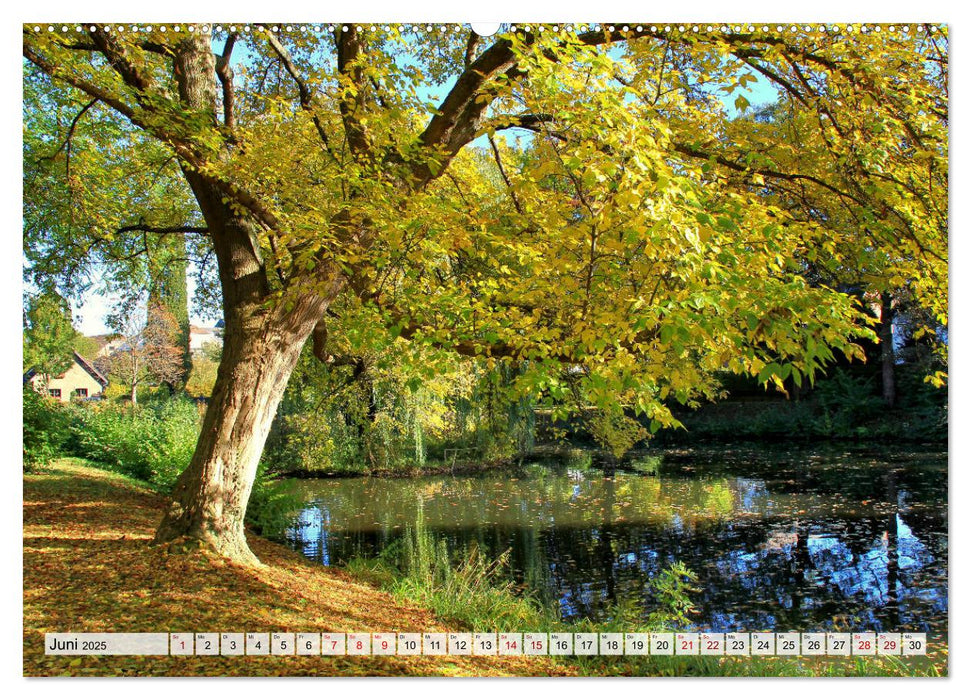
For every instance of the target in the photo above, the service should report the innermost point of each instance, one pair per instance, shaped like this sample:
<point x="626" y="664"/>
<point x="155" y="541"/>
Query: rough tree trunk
<point x="209" y="499"/>
<point x="887" y="358"/>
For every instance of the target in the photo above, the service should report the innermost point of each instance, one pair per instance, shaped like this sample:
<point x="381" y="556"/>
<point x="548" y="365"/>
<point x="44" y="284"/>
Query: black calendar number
<point x="788" y="645"/>
<point x="762" y="645"/>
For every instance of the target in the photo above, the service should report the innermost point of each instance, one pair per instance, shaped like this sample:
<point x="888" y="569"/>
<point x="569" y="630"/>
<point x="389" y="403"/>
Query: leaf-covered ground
<point x="88" y="567"/>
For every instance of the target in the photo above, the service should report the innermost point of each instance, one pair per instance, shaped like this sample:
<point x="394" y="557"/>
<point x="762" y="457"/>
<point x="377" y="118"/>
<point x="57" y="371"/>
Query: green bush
<point x="45" y="429"/>
<point x="846" y="402"/>
<point x="153" y="442"/>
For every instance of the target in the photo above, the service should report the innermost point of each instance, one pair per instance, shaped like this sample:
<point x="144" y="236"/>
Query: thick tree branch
<point x="84" y="86"/>
<point x="470" y="46"/>
<point x="117" y="56"/>
<point x="225" y="73"/>
<point x="458" y="118"/>
<point x="186" y="153"/>
<point x="181" y="228"/>
<point x="530" y="122"/>
<point x="349" y="51"/>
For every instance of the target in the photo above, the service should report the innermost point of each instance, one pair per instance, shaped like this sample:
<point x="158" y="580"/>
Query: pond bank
<point x="457" y="468"/>
<point x="587" y="455"/>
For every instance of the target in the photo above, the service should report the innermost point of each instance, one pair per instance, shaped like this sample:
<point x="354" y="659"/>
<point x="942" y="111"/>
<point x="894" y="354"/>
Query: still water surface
<point x="796" y="539"/>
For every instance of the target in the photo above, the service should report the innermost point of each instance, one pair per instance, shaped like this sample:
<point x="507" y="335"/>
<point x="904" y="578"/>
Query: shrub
<point x="846" y="402"/>
<point x="153" y="442"/>
<point x="45" y="429"/>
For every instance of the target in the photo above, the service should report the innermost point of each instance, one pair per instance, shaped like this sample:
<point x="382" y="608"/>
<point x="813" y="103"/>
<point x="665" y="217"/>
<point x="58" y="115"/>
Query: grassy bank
<point x="88" y="567"/>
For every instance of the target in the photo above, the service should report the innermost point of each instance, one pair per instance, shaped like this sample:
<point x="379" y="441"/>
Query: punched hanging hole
<point x="485" y="28"/>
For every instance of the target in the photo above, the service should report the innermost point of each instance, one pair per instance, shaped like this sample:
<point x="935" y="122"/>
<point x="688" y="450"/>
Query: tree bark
<point x="209" y="500"/>
<point x="887" y="357"/>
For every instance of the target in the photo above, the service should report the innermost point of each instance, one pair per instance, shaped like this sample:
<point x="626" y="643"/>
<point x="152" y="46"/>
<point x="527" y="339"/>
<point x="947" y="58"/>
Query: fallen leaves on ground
<point x="88" y="567"/>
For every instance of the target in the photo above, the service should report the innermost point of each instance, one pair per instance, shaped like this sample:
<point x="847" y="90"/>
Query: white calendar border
<point x="11" y="648"/>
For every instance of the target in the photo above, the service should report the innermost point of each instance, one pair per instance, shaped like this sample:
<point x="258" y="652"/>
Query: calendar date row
<point x="490" y="644"/>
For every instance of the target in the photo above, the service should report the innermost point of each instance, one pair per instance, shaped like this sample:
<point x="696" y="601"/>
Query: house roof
<point x="83" y="364"/>
<point x="90" y="369"/>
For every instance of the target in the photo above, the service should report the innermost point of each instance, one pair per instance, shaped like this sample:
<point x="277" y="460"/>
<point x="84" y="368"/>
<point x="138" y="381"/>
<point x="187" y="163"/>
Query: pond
<point x="800" y="539"/>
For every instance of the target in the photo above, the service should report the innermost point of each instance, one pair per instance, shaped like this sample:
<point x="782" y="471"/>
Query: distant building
<point x="80" y="381"/>
<point x="199" y="336"/>
<point x="108" y="343"/>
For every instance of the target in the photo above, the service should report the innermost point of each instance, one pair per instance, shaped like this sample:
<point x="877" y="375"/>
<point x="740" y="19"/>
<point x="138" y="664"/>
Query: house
<point x="80" y="381"/>
<point x="108" y="343"/>
<point x="199" y="337"/>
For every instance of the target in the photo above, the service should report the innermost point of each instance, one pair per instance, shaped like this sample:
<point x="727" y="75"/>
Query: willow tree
<point x="622" y="249"/>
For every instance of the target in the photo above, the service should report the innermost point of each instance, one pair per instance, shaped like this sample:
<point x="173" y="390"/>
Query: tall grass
<point x="468" y="590"/>
<point x="475" y="592"/>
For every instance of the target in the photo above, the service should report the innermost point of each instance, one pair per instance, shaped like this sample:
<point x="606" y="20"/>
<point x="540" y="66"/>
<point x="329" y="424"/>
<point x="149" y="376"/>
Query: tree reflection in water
<point x="799" y="541"/>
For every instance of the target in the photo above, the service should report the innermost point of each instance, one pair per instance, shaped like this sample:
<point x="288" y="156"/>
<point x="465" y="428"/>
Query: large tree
<point x="630" y="243"/>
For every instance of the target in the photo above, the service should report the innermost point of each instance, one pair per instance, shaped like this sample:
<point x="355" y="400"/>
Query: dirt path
<point x="88" y="568"/>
